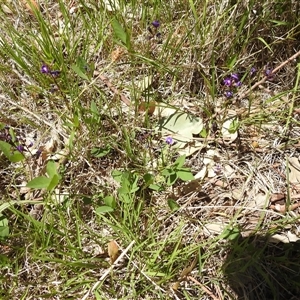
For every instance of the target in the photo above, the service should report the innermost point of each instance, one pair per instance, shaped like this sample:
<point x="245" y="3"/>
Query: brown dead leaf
<point x="31" y="5"/>
<point x="284" y="238"/>
<point x="294" y="167"/>
<point x="113" y="251"/>
<point x="282" y="208"/>
<point x="117" y="54"/>
<point x="149" y="107"/>
<point x="276" y="197"/>
<point x="175" y="285"/>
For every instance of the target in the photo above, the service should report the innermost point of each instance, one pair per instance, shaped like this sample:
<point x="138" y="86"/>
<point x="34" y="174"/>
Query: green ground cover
<point x="149" y="149"/>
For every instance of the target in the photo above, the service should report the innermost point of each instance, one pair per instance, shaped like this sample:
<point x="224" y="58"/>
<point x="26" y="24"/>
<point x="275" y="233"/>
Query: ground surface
<point x="149" y="150"/>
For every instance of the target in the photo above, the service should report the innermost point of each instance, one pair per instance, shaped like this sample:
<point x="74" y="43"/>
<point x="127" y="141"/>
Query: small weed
<point x="149" y="150"/>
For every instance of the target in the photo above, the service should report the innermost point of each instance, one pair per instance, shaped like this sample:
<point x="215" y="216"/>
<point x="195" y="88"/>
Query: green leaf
<point x="16" y="157"/>
<point x="94" y="108"/>
<point x="232" y="61"/>
<point x="41" y="182"/>
<point x="81" y="63"/>
<point x="100" y="152"/>
<point x="87" y="200"/>
<point x="167" y="172"/>
<point x="185" y="174"/>
<point x="173" y="205"/>
<point x="148" y="178"/>
<point x="155" y="187"/>
<point x="180" y="161"/>
<point x="265" y="43"/>
<point x="5" y="148"/>
<point x="117" y="175"/>
<point x="204" y="133"/>
<point x="172" y="179"/>
<point x="110" y="201"/>
<point x="79" y="72"/>
<point x="4" y="228"/>
<point x="119" y="31"/>
<point x="103" y="209"/>
<point x="230" y="233"/>
<point x="51" y="168"/>
<point x="53" y="183"/>
<point x="234" y="126"/>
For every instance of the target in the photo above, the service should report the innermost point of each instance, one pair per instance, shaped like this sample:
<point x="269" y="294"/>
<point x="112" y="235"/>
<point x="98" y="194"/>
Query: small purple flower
<point x="55" y="73"/>
<point x="20" y="148"/>
<point x="235" y="77"/>
<point x="169" y="140"/>
<point x="252" y="71"/>
<point x="156" y="24"/>
<point x="228" y="94"/>
<point x="45" y="69"/>
<point x="238" y="84"/>
<point x="217" y="169"/>
<point x="268" y="72"/>
<point x="227" y="81"/>
<point x="38" y="153"/>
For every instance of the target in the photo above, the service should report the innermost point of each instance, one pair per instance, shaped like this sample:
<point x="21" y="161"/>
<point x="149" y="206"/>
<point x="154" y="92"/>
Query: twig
<point x="108" y="271"/>
<point x="272" y="73"/>
<point x="114" y="90"/>
<point x="206" y="290"/>
<point x="234" y="207"/>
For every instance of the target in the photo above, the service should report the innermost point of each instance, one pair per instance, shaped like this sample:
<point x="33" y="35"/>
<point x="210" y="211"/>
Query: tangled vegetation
<point x="149" y="149"/>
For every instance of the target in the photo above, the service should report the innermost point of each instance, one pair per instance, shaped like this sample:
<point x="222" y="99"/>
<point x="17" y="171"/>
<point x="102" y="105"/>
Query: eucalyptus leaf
<point x="181" y="126"/>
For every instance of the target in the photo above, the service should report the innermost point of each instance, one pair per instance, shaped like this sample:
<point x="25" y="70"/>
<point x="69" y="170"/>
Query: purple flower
<point x="217" y="169"/>
<point x="55" y="73"/>
<point x="239" y="83"/>
<point x="227" y="81"/>
<point x="38" y="153"/>
<point x="228" y="94"/>
<point x="156" y="24"/>
<point x="20" y="148"/>
<point x="169" y="140"/>
<point x="235" y="77"/>
<point x="268" y="72"/>
<point x="45" y="69"/>
<point x="252" y="71"/>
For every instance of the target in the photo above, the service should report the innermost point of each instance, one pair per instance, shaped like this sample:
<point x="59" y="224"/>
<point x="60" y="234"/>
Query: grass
<point x="96" y="203"/>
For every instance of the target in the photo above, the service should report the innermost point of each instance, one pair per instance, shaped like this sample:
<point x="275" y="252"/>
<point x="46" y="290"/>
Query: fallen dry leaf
<point x="113" y="251"/>
<point x="294" y="167"/>
<point x="214" y="228"/>
<point x="117" y="54"/>
<point x="284" y="238"/>
<point x="149" y="107"/>
<point x="276" y="197"/>
<point x="31" y="5"/>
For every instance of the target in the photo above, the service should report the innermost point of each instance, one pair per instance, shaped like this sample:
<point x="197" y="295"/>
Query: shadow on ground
<point x="257" y="269"/>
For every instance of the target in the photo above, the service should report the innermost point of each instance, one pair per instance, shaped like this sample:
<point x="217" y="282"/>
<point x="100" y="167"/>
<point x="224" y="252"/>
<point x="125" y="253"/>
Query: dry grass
<point x="225" y="237"/>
